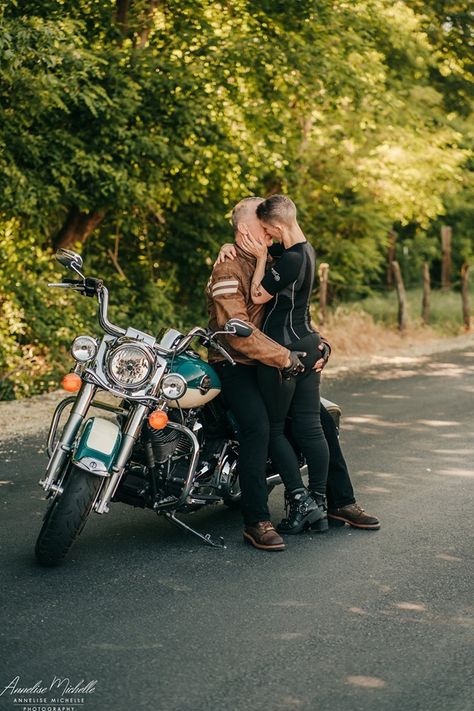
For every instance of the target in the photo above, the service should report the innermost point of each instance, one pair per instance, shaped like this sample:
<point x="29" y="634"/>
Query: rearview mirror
<point x="70" y="260"/>
<point x="236" y="327"/>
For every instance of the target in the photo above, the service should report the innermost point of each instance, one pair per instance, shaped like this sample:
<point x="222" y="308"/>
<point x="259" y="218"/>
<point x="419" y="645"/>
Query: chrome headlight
<point x="173" y="386"/>
<point x="84" y="348"/>
<point x="129" y="365"/>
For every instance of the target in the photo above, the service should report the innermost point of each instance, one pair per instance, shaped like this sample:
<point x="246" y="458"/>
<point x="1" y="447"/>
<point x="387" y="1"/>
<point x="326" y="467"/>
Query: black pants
<point x="242" y="395"/>
<point x="339" y="487"/>
<point x="298" y="398"/>
<point x="240" y="388"/>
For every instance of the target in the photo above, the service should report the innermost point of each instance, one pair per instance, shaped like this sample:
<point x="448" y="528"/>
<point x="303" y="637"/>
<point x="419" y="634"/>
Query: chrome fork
<point x="63" y="448"/>
<point x="130" y="435"/>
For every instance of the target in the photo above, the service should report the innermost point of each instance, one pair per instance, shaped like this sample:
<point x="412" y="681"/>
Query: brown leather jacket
<point x="228" y="296"/>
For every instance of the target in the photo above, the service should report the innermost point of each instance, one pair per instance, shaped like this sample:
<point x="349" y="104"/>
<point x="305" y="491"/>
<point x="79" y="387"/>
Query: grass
<point x="369" y="326"/>
<point x="445" y="310"/>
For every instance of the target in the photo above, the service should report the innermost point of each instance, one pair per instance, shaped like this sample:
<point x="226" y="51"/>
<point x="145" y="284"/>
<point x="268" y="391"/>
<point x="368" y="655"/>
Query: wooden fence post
<point x="323" y="273"/>
<point x="446" y="235"/>
<point x="392" y="241"/>
<point x="466" y="314"/>
<point x="402" y="302"/>
<point x="425" y="308"/>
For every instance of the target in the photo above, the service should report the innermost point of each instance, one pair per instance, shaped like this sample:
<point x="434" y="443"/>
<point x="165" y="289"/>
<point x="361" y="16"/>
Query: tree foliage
<point x="128" y="129"/>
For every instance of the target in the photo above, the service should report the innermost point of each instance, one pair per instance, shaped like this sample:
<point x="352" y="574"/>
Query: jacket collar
<point x="244" y="255"/>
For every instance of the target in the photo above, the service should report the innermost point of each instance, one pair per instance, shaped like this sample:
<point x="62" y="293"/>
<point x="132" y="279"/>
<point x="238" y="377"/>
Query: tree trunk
<point x="323" y="291"/>
<point x="121" y="14"/>
<point x="425" y="308"/>
<point x="145" y="33"/>
<point x="402" y="302"/>
<point x="446" y="234"/>
<point x="392" y="241"/>
<point x="466" y="314"/>
<point x="77" y="227"/>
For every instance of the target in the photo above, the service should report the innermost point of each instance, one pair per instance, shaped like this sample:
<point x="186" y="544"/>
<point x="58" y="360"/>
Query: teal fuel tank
<point x="202" y="380"/>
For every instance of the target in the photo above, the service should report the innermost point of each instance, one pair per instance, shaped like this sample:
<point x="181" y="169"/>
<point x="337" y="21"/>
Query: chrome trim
<point x="54" y="423"/>
<point x="148" y="354"/>
<point x="103" y="299"/>
<point x="129" y="436"/>
<point x="89" y="358"/>
<point x="59" y="410"/>
<point x="140" y="336"/>
<point x="105" y="385"/>
<point x="92" y="465"/>
<point x="181" y="378"/>
<point x="71" y="260"/>
<point x="56" y="488"/>
<point x="191" y="471"/>
<point x="71" y="428"/>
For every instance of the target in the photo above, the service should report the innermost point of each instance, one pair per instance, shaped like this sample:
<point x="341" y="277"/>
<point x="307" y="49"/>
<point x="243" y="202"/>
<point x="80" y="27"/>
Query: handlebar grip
<point x="92" y="286"/>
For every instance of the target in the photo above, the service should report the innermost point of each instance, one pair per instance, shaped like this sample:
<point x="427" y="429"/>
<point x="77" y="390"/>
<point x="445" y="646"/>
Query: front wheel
<point x="66" y="516"/>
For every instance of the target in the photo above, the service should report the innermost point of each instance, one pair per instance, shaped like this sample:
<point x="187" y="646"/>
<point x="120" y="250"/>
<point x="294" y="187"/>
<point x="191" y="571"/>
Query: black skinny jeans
<point x="242" y="396"/>
<point x="297" y="397"/>
<point x="339" y="487"/>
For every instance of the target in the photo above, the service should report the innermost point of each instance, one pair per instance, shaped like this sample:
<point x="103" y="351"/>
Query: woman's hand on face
<point x="227" y="251"/>
<point x="253" y="246"/>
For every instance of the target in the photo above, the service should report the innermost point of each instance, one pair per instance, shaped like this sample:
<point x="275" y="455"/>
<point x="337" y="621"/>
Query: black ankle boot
<point x="320" y="525"/>
<point x="302" y="511"/>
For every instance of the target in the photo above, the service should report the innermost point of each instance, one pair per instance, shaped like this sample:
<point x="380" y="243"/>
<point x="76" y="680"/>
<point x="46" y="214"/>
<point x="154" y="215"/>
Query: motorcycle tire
<point x="66" y="517"/>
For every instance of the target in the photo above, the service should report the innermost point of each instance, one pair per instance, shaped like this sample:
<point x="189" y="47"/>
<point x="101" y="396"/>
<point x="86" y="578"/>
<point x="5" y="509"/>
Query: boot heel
<point x="314" y="517"/>
<point x="320" y="526"/>
<point x="335" y="522"/>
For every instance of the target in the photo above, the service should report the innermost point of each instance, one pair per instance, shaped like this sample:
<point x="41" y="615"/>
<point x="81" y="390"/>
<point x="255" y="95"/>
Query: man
<point x="228" y="294"/>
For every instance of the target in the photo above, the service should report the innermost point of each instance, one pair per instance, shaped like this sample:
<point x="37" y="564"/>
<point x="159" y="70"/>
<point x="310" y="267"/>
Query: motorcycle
<point x="168" y="444"/>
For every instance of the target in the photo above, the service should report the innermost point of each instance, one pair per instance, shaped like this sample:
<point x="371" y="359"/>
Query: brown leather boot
<point x="354" y="515"/>
<point x="263" y="535"/>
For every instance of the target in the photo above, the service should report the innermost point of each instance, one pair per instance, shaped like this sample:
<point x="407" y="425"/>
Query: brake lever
<point x="222" y="350"/>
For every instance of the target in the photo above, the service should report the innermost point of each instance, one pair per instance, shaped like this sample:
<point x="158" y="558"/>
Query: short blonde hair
<point x="242" y="208"/>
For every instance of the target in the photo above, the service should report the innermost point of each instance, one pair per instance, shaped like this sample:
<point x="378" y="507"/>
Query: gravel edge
<point x="31" y="416"/>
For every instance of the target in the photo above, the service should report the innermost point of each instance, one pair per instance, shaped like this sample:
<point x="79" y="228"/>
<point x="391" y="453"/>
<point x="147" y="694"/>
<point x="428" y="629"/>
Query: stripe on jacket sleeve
<point x="228" y="286"/>
<point x="221" y="291"/>
<point x="226" y="282"/>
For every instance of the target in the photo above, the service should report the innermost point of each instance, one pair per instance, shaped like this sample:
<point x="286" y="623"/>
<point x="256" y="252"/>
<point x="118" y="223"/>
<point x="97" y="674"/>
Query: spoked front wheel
<point x="66" y="516"/>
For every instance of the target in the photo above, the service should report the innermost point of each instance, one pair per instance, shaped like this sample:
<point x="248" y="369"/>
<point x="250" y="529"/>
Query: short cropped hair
<point x="277" y="208"/>
<point x="242" y="208"/>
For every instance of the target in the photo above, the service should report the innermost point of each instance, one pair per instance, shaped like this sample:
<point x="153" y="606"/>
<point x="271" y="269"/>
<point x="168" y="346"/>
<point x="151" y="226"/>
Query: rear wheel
<point x="66" y="516"/>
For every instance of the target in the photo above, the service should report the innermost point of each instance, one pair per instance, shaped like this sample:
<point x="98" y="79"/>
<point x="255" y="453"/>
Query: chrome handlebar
<point x="102" y="294"/>
<point x="206" y="336"/>
<point x="103" y="299"/>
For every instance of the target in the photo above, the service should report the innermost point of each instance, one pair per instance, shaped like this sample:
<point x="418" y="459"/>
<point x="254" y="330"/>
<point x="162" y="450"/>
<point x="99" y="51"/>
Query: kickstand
<point x="206" y="538"/>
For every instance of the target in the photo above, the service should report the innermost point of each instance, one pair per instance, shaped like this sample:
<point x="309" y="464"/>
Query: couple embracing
<point x="277" y="375"/>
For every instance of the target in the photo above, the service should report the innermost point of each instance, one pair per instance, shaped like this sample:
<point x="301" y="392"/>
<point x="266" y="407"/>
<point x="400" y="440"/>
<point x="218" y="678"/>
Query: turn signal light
<point x="158" y="419"/>
<point x="71" y="382"/>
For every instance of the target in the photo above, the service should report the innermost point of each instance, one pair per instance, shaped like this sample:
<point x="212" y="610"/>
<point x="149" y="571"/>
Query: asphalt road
<point x="344" y="621"/>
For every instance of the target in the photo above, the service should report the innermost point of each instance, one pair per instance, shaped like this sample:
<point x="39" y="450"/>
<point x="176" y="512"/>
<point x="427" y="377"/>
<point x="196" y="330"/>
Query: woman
<point x="286" y="289"/>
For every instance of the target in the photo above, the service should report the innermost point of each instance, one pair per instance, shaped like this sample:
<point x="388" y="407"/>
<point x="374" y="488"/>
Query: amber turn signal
<point x="71" y="382"/>
<point x="158" y="419"/>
